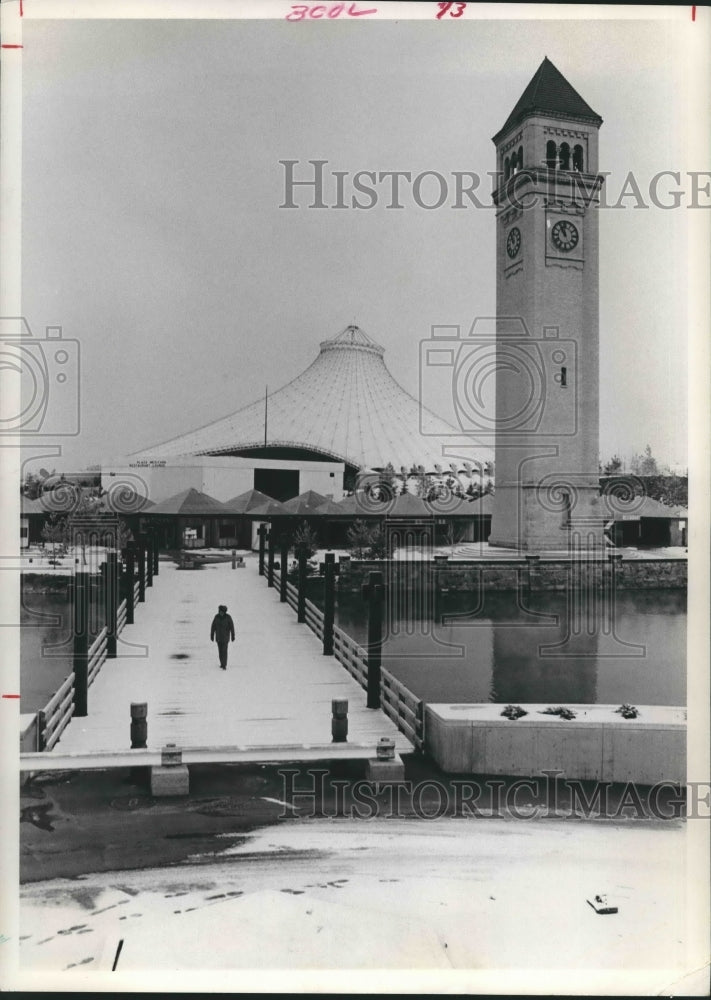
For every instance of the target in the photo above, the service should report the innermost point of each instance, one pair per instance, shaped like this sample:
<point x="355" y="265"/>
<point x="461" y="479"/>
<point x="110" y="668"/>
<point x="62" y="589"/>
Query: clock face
<point x="513" y="242"/>
<point x="565" y="236"/>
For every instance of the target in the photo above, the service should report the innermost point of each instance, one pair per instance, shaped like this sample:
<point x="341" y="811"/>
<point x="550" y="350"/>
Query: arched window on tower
<point x="507" y="169"/>
<point x="578" y="158"/>
<point x="564" y="156"/>
<point x="551" y="155"/>
<point x="519" y="161"/>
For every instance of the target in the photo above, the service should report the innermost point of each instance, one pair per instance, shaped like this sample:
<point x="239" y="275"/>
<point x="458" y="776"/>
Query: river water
<point x="540" y="650"/>
<point x="46" y="643"/>
<point x="502" y="651"/>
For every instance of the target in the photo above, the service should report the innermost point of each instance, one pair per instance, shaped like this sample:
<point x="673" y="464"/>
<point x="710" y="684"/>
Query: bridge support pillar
<point x="385" y="772"/>
<point x="171" y="777"/>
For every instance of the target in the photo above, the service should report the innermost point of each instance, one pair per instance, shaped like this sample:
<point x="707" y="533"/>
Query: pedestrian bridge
<point x="272" y="703"/>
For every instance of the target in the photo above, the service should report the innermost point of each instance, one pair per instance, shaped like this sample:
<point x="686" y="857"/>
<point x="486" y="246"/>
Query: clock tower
<point x="546" y="427"/>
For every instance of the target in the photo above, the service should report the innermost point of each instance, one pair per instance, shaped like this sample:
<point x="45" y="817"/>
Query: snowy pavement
<point x="276" y="691"/>
<point x="447" y="894"/>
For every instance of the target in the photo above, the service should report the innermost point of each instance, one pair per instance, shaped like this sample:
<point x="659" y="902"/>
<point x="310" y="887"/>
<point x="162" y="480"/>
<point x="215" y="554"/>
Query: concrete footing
<point x="383" y="772"/>
<point x="172" y="780"/>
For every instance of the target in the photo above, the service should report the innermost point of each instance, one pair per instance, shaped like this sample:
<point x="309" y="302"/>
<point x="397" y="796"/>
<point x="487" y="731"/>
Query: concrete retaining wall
<point x="598" y="745"/>
<point x="530" y="574"/>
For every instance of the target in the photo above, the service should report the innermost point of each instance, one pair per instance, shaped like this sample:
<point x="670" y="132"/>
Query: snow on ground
<point x="460" y="894"/>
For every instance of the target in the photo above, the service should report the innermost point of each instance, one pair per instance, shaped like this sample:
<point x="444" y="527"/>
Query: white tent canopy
<point x="345" y="406"/>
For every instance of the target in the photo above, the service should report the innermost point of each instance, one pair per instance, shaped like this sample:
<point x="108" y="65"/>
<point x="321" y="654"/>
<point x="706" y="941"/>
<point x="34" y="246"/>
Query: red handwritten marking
<point x="11" y="696"/>
<point x="445" y="8"/>
<point x="693" y="13"/>
<point x="20" y="8"/>
<point x="300" y="12"/>
<point x="3" y="46"/>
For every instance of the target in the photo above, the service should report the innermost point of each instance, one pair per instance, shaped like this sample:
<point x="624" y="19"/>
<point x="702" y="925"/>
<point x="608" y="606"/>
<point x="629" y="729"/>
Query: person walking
<point x="223" y="629"/>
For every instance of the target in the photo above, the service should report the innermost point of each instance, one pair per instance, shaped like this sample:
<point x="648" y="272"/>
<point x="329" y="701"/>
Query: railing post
<point x="262" y="532"/>
<point x="301" y="603"/>
<point x="271" y="556"/>
<point x="154" y="539"/>
<point x="41" y="725"/>
<point x="532" y="576"/>
<point x="283" y="568"/>
<point x="81" y="642"/>
<point x="129" y="581"/>
<point x="148" y="539"/>
<point x="109" y="573"/>
<point x="339" y="720"/>
<point x="139" y="725"/>
<point x="141" y="570"/>
<point x="373" y="591"/>
<point x="329" y="602"/>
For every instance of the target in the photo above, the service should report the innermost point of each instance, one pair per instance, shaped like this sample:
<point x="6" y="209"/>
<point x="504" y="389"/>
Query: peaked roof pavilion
<point x="246" y="502"/>
<point x="306" y="503"/>
<point x="345" y="406"/>
<point x="189" y="503"/>
<point x="549" y="93"/>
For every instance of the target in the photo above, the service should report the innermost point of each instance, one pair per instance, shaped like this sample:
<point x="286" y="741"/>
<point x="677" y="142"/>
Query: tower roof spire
<point x="549" y="93"/>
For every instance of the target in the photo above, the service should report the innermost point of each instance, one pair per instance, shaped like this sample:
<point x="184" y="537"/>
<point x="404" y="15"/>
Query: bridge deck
<point x="276" y="691"/>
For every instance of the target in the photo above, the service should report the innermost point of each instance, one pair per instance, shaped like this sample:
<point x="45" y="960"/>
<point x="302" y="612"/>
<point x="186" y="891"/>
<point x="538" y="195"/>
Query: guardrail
<point x="97" y="654"/>
<point x="120" y="617"/>
<point x="400" y="705"/>
<point x="352" y="656"/>
<point x="403" y="707"/>
<point x="53" y="719"/>
<point x="314" y="618"/>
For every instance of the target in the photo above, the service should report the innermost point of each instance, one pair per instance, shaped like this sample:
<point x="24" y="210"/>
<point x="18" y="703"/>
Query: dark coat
<point x="223" y="628"/>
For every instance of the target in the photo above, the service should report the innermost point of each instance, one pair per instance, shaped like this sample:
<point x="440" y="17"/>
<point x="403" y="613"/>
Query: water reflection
<point x="506" y="647"/>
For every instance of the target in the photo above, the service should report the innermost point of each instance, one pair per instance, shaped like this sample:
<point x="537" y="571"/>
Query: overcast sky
<point x="152" y="232"/>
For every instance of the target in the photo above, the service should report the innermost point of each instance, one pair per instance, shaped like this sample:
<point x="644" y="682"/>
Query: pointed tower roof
<point x="549" y="93"/>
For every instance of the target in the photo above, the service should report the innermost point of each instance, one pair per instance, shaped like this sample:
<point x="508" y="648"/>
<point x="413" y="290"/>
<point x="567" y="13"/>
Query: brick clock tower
<point x="546" y="428"/>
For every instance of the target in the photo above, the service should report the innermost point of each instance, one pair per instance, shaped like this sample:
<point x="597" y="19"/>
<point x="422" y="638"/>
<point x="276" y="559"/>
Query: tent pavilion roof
<point x="620" y="508"/>
<point x="346" y="407"/>
<point x="482" y="506"/>
<point x="189" y="503"/>
<point x="408" y="505"/>
<point x="266" y="511"/>
<point x="329" y="508"/>
<point x="246" y="502"/>
<point x="305" y="504"/>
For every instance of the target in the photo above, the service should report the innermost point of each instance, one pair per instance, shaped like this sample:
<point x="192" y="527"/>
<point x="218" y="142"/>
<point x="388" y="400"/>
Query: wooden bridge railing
<point x="403" y="707"/>
<point x="400" y="705"/>
<point x="53" y="719"/>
